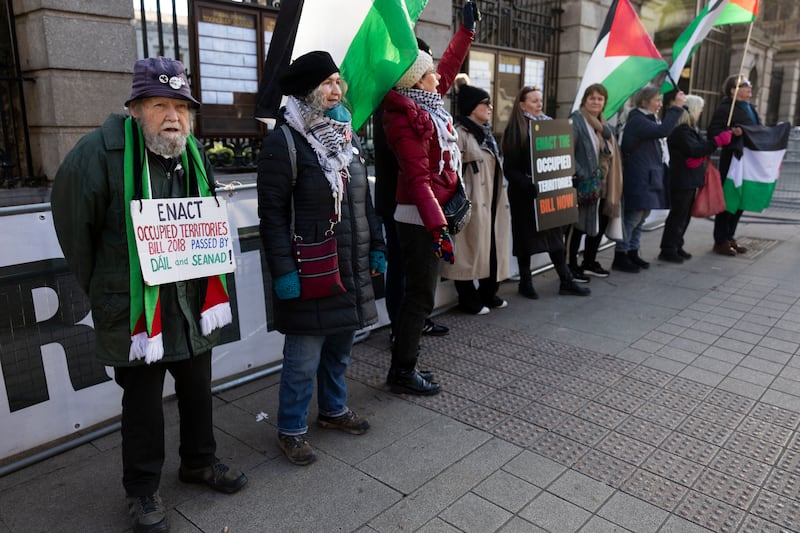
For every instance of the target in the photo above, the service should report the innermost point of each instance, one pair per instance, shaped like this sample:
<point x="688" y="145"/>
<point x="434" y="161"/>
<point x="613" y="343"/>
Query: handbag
<point x="317" y="262"/>
<point x="318" y="267"/>
<point x="458" y="209"/>
<point x="710" y="199"/>
<point x="588" y="189"/>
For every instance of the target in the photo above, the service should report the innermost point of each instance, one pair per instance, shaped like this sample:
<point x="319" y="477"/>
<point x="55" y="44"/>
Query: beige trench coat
<point x="473" y="243"/>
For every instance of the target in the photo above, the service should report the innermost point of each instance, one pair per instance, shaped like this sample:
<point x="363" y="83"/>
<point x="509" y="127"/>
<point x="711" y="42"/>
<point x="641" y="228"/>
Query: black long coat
<point x="527" y="240"/>
<point x="357" y="234"/>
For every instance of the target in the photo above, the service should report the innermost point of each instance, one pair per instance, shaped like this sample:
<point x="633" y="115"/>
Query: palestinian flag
<point x="755" y="167"/>
<point x="372" y="41"/>
<point x="624" y="59"/>
<point x="691" y="38"/>
<point x="738" y="12"/>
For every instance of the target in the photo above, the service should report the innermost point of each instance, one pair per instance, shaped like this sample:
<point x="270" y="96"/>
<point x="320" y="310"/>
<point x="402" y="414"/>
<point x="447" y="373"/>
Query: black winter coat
<point x="526" y="239"/>
<point x="357" y="234"/>
<point x="686" y="142"/>
<point x="719" y="123"/>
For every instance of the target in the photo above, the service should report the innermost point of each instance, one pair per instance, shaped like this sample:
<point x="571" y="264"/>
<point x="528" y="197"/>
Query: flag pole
<point x="741" y="70"/>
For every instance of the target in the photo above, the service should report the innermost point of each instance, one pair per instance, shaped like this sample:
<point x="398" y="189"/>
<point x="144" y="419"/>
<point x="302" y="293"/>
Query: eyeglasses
<point x="746" y="84"/>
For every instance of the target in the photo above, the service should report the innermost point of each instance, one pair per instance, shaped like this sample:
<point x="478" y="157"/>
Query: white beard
<point x="165" y="144"/>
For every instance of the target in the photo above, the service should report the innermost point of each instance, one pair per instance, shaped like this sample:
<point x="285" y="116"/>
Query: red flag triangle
<point x="628" y="36"/>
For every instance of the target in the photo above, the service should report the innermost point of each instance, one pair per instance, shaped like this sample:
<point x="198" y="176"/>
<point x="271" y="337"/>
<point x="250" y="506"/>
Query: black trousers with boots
<point x="143" y="419"/>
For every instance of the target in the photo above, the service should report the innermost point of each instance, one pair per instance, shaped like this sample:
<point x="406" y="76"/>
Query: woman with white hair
<point x="687" y="164"/>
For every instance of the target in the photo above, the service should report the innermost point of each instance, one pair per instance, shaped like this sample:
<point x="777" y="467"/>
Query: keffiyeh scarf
<point x="330" y="140"/>
<point x="442" y="121"/>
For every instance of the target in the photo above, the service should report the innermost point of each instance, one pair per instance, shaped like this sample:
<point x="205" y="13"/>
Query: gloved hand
<point x="287" y="286"/>
<point x="443" y="245"/>
<point x="377" y="261"/>
<point x="723" y="138"/>
<point x="694" y="162"/>
<point x="470" y="14"/>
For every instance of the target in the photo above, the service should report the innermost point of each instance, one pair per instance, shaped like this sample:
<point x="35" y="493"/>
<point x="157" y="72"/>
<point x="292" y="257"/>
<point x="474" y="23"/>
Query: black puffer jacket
<point x="684" y="143"/>
<point x="357" y="234"/>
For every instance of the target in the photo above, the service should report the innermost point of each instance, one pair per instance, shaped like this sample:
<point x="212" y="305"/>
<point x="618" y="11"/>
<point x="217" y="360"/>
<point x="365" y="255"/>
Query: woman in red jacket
<point x="421" y="134"/>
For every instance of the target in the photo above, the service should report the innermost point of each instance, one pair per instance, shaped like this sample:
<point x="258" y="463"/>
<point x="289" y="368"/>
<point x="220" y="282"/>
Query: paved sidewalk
<point x="668" y="401"/>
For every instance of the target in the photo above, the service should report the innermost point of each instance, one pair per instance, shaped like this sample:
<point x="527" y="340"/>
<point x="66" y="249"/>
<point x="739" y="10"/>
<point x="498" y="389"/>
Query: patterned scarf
<point x="609" y="161"/>
<point x="537" y="117"/>
<point x="145" y="316"/>
<point x="330" y="140"/>
<point x="442" y="121"/>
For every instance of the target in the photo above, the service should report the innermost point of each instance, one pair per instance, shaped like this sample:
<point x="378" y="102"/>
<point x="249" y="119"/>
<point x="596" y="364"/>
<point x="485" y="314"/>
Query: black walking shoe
<point x="570" y="288"/>
<point x="411" y="382"/>
<point x="433" y="329"/>
<point x="578" y="275"/>
<point x="426" y="374"/>
<point x="623" y="263"/>
<point x="595" y="269"/>
<point x="526" y="289"/>
<point x="217" y="476"/>
<point x="684" y="254"/>
<point x="670" y="257"/>
<point x="148" y="514"/>
<point x="633" y="255"/>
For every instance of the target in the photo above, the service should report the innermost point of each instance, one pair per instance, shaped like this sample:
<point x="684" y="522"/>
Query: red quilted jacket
<point x="411" y="135"/>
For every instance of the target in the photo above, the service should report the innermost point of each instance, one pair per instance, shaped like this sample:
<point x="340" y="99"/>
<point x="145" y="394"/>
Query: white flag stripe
<point x="329" y="25"/>
<point x="699" y="34"/>
<point x="756" y="166"/>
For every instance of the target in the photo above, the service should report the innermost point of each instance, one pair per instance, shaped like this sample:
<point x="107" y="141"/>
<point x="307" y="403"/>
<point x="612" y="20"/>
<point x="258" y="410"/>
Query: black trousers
<point x="422" y="274"/>
<point x="143" y="419"/>
<point x="557" y="258"/>
<point x="591" y="244"/>
<point x="680" y="214"/>
<point x="725" y="226"/>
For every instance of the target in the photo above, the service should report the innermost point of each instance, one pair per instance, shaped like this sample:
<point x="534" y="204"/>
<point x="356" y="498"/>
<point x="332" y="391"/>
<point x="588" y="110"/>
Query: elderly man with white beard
<point x="144" y="331"/>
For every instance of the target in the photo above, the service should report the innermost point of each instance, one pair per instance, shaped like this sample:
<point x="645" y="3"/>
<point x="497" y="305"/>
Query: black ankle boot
<point x="570" y="288"/>
<point x="411" y="382"/>
<point x="391" y="377"/>
<point x="526" y="289"/>
<point x="633" y="255"/>
<point x="623" y="263"/>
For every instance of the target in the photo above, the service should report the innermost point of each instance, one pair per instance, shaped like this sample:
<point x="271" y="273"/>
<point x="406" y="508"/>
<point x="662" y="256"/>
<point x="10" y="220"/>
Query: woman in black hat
<point x="311" y="176"/>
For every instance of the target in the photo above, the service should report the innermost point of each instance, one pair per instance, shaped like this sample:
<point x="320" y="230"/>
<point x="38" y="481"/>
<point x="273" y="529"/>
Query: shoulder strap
<point x="292" y="150"/>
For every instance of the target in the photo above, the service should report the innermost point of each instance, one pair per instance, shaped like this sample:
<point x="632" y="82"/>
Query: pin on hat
<point x="160" y="76"/>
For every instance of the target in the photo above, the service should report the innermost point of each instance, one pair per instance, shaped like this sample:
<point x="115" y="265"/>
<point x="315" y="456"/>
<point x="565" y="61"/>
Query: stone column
<point x="80" y="56"/>
<point x="581" y="22"/>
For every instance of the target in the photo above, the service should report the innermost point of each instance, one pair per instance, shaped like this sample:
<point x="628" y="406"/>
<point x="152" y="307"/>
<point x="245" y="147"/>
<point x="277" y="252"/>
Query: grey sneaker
<point x="148" y="514"/>
<point x="348" y="422"/>
<point x="297" y="449"/>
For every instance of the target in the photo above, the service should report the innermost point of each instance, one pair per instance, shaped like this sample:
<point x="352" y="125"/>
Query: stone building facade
<point x="75" y="59"/>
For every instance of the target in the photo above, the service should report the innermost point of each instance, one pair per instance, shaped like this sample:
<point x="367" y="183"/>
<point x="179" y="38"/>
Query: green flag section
<point x="755" y="167"/>
<point x="624" y="59"/>
<point x="691" y="38"/>
<point x="738" y="12"/>
<point x="373" y="43"/>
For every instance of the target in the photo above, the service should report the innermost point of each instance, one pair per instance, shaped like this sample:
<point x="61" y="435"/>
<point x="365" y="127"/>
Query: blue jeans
<point x="303" y="357"/>
<point x="632" y="222"/>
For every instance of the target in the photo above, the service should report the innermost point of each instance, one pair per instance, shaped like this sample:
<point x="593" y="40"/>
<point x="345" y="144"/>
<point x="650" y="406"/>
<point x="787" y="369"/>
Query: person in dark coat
<point x="687" y="163"/>
<point x="92" y="191"/>
<point x="385" y="202"/>
<point x="527" y="239"/>
<point x="737" y="95"/>
<point x="330" y="184"/>
<point x="645" y="174"/>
